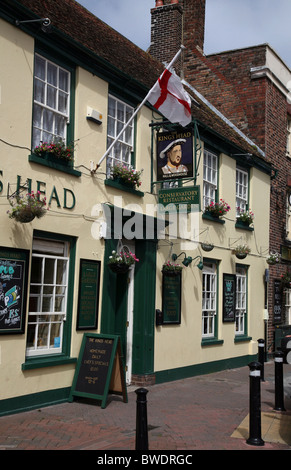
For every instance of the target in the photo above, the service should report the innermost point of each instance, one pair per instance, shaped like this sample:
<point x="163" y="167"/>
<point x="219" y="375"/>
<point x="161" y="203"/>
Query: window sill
<point x="56" y="166"/>
<point x="211" y="341"/>
<point x="123" y="187"/>
<point x="213" y="219"/>
<point x="244" y="227"/>
<point x="47" y="361"/>
<point x="241" y="338"/>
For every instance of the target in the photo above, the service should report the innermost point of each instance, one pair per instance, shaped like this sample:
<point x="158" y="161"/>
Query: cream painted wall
<point x="180" y="345"/>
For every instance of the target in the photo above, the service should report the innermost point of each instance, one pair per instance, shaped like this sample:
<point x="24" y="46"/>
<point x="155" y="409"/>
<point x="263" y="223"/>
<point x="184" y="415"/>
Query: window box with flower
<point x="126" y="178"/>
<point x="26" y="208"/>
<point x="244" y="219"/>
<point x="286" y="279"/>
<point x="241" y="251"/>
<point x="216" y="210"/>
<point x="55" y="155"/>
<point x="121" y="261"/>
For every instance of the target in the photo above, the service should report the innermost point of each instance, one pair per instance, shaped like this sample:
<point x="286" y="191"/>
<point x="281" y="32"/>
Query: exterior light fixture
<point x="45" y="23"/>
<point x="188" y="260"/>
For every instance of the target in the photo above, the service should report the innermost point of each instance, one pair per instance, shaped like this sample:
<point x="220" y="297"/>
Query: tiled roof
<point x="77" y="23"/>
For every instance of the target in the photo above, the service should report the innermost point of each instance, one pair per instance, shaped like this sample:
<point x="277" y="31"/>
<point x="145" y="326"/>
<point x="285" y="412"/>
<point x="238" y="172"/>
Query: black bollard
<point x="279" y="382"/>
<point x="141" y="434"/>
<point x="255" y="405"/>
<point x="261" y="356"/>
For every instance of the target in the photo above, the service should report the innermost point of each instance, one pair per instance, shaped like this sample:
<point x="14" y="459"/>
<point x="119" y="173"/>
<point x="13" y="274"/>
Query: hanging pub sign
<point x="13" y="289"/>
<point x="174" y="155"/>
<point x="229" y="297"/>
<point x="185" y="199"/>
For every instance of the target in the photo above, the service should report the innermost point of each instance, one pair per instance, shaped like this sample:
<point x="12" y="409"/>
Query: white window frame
<point x="59" y="118"/>
<point x="119" y="114"/>
<point x="210" y="177"/>
<point x="209" y="300"/>
<point x="40" y="321"/>
<point x="287" y="306"/>
<point x="288" y="143"/>
<point x="241" y="301"/>
<point x="242" y="190"/>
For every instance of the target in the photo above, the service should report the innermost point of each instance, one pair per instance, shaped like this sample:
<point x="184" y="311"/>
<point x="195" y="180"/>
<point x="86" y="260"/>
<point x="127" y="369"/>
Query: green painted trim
<point x="242" y="338"/>
<point x="47" y="361"/>
<point x="56" y="166"/>
<point x="211" y="341"/>
<point x="33" y="401"/>
<point x="213" y="219"/>
<point x="123" y="187"/>
<point x="244" y="227"/>
<point x="170" y="375"/>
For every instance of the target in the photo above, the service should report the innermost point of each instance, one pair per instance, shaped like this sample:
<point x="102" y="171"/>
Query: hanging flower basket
<point x="171" y="269"/>
<point x="121" y="261"/>
<point x="26" y="208"/>
<point x="274" y="258"/>
<point x="126" y="175"/>
<point x="241" y="251"/>
<point x="286" y="279"/>
<point x="207" y="246"/>
<point x="217" y="209"/>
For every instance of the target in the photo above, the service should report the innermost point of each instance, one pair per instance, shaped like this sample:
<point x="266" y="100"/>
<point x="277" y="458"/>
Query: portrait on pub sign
<point x="174" y="155"/>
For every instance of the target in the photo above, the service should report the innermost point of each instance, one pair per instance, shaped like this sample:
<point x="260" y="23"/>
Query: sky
<point x="230" y="24"/>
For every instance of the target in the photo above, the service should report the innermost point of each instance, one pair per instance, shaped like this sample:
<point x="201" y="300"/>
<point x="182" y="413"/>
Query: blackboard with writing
<point x="229" y="297"/>
<point x="99" y="368"/>
<point x="278" y="308"/>
<point x="13" y="289"/>
<point x="88" y="302"/>
<point x="171" y="299"/>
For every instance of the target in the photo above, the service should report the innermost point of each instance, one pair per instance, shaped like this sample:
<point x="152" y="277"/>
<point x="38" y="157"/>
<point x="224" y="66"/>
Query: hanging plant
<point x="241" y="251"/>
<point x="286" y="279"/>
<point x="171" y="269"/>
<point x="26" y="208"/>
<point x="273" y="258"/>
<point x="207" y="246"/>
<point x="120" y="261"/>
<point x="127" y="175"/>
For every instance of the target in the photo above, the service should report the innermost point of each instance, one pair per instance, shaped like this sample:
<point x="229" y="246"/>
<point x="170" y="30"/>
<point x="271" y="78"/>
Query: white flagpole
<point x="137" y="110"/>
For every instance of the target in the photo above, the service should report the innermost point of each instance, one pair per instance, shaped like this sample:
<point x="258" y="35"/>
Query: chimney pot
<point x="174" y="1"/>
<point x="159" y="3"/>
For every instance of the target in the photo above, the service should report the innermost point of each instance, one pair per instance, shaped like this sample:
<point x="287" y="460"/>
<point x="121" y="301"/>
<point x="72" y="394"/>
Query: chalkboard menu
<point x="229" y="297"/>
<point x="88" y="302"/>
<point x="99" y="369"/>
<point x="13" y="289"/>
<point x="278" y="309"/>
<point x="171" y="298"/>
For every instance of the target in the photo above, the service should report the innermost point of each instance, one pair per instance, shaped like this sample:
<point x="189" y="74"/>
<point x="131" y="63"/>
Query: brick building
<point x="250" y="87"/>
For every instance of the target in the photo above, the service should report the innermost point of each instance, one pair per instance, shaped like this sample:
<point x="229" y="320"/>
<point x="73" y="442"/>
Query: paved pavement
<point x="207" y="412"/>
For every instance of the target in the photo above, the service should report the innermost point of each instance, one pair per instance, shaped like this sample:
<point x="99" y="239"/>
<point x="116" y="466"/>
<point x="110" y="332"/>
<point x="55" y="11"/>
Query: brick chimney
<point x="176" y="22"/>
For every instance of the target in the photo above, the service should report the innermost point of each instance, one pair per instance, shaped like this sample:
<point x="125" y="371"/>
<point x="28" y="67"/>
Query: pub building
<point x="68" y="220"/>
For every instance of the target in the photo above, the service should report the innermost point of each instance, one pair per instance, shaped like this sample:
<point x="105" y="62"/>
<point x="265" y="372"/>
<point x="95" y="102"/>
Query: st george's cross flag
<point x="169" y="97"/>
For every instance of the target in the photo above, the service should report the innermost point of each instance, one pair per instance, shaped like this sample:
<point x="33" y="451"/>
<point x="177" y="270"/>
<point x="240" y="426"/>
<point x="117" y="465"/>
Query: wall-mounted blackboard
<point x="229" y="297"/>
<point x="88" y="302"/>
<point x="171" y="298"/>
<point x="13" y="289"/>
<point x="278" y="301"/>
<point x="100" y="369"/>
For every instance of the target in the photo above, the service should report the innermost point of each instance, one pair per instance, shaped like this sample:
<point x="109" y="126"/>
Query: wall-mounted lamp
<point x="188" y="260"/>
<point x="45" y="23"/>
